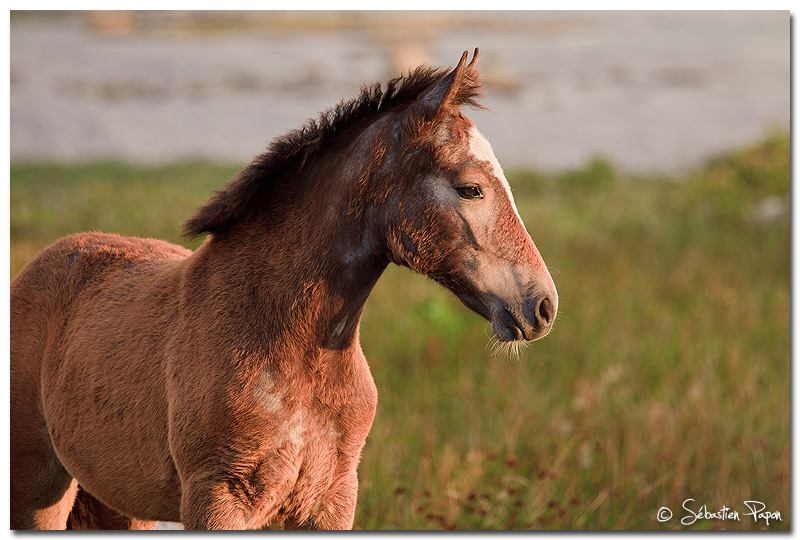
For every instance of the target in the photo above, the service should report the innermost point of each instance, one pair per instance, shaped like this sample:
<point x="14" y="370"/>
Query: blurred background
<point x="650" y="90"/>
<point x="649" y="155"/>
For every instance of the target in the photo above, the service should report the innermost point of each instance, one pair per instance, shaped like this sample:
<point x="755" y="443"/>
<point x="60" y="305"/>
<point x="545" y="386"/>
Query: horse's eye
<point x="469" y="192"/>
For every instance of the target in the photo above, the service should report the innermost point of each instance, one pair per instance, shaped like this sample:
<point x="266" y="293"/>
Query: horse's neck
<point x="301" y="273"/>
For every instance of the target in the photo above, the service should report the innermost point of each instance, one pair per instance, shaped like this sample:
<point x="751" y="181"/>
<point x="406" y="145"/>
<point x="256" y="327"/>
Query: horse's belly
<point x="120" y="460"/>
<point x="105" y="400"/>
<point x="108" y="425"/>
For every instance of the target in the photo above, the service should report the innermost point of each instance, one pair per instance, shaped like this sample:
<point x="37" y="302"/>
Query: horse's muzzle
<point x="530" y="319"/>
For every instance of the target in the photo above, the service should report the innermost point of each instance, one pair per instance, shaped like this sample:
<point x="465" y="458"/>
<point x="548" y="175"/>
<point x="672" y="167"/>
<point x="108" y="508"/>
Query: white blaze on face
<point x="482" y="150"/>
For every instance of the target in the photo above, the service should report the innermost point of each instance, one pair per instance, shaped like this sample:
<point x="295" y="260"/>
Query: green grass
<point x="665" y="378"/>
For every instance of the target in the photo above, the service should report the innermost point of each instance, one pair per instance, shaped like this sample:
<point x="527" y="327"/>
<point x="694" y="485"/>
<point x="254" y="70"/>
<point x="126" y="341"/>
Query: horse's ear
<point x="443" y="91"/>
<point x="458" y="88"/>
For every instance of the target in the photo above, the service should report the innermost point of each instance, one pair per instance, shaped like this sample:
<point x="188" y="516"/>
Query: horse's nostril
<point x="545" y="311"/>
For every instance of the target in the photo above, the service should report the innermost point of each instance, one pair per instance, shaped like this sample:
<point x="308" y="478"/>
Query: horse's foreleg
<point x="337" y="508"/>
<point x="248" y="498"/>
<point x="338" y="505"/>
<point x="291" y="524"/>
<point x="210" y="505"/>
<point x="90" y="514"/>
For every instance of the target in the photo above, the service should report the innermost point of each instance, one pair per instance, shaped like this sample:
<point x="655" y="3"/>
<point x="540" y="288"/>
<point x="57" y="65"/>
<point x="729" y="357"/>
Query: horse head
<point x="453" y="216"/>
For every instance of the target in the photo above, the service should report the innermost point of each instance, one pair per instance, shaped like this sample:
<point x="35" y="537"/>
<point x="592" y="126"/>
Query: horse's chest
<point x="320" y="433"/>
<point x="314" y="411"/>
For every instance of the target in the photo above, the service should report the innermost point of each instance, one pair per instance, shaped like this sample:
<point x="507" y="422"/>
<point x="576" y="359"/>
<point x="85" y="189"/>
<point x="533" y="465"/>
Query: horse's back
<point x="71" y="309"/>
<point x="79" y="258"/>
<point x="48" y="285"/>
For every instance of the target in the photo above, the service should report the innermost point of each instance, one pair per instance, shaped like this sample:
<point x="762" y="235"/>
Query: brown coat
<point x="225" y="388"/>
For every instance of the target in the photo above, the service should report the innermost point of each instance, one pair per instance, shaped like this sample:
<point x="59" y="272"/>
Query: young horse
<point x="226" y="388"/>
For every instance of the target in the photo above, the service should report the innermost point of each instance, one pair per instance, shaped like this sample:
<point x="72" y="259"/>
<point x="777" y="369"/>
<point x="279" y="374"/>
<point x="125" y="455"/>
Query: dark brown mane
<point x="290" y="151"/>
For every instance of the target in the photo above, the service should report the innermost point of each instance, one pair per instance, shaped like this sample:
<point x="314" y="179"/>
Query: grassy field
<point x="666" y="377"/>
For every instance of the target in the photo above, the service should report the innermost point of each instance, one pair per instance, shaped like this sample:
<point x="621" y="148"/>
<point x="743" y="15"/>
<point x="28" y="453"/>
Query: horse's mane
<point x="290" y="151"/>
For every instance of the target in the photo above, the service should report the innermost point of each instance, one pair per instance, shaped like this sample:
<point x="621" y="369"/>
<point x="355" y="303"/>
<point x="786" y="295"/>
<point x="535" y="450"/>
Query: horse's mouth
<point x="506" y="327"/>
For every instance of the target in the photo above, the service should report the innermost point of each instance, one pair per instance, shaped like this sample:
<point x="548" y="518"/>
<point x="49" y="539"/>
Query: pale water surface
<point x="649" y="90"/>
